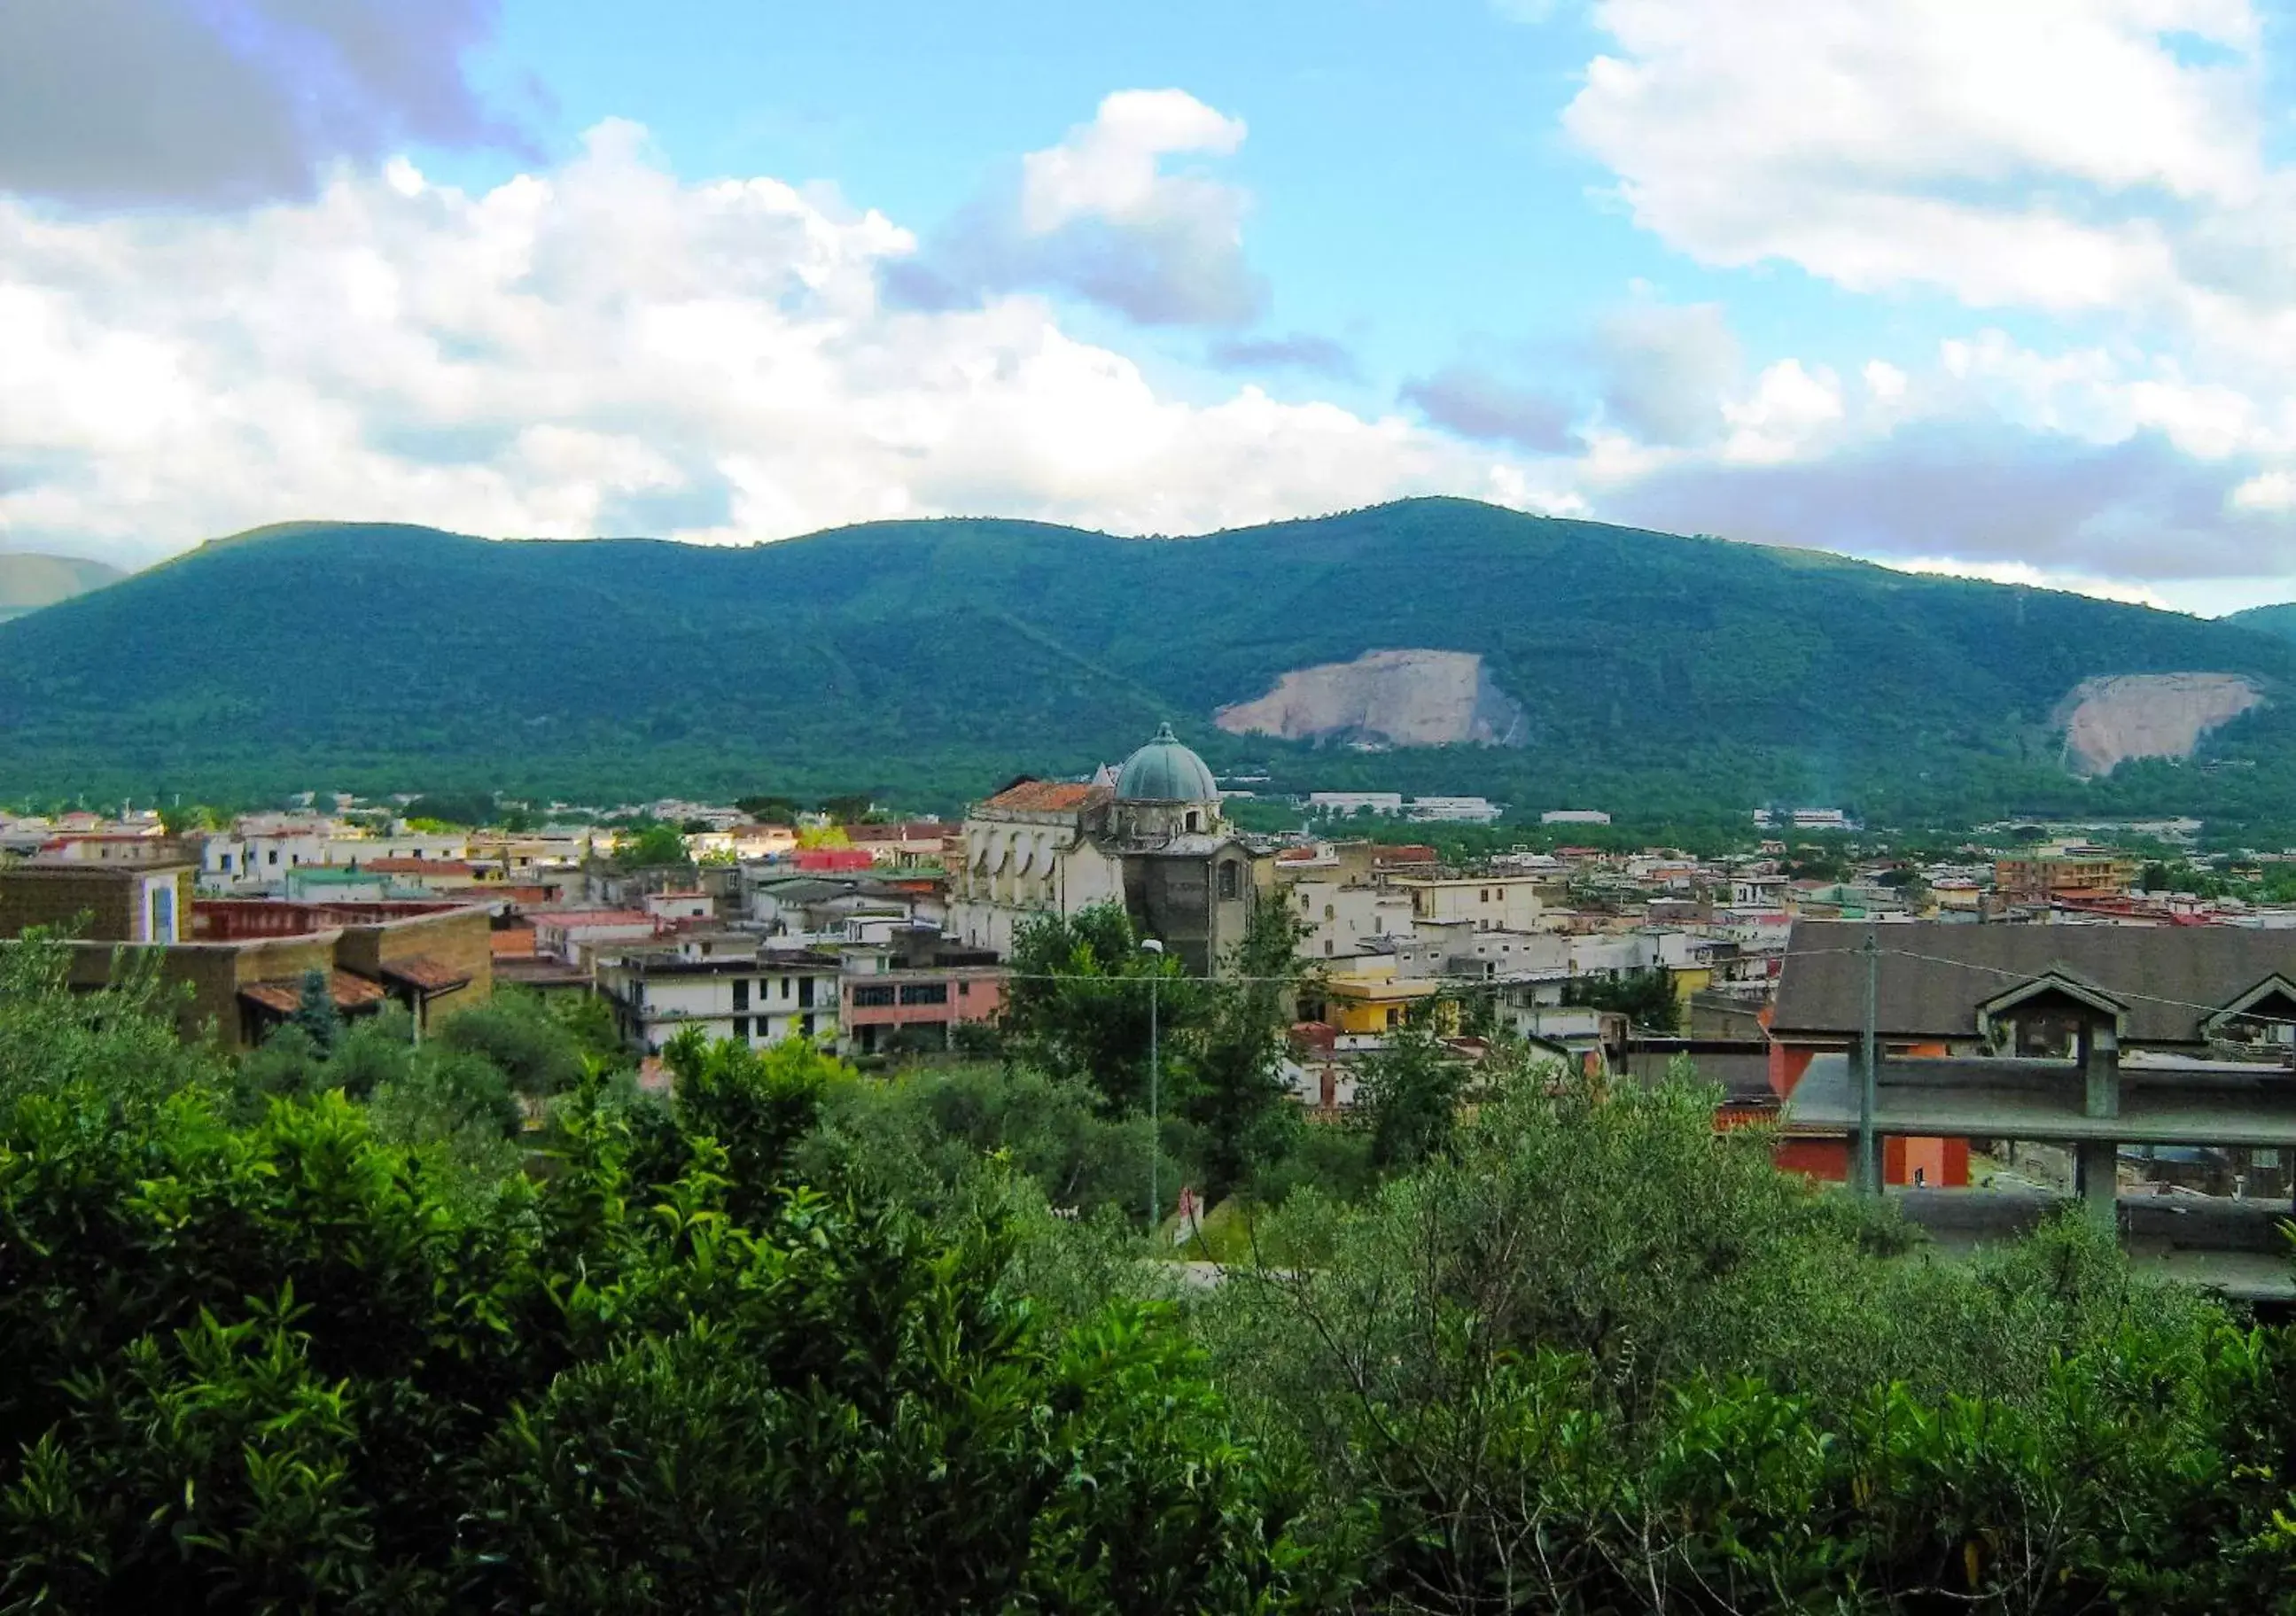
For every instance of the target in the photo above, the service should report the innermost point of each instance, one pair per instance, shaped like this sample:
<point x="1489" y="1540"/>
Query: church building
<point x="1150" y="836"/>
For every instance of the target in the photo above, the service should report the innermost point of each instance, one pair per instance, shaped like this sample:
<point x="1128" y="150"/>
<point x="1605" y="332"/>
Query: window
<point x="785" y="989"/>
<point x="742" y="1027"/>
<point x="1228" y="881"/>
<point x="1327" y="945"/>
<point x="924" y="993"/>
<point x="160" y="926"/>
<point x="1329" y="913"/>
<point x="1195" y="820"/>
<point x="741" y="993"/>
<point x="873" y="997"/>
<point x="964" y="989"/>
<point x="805" y="1026"/>
<point x="272" y="857"/>
<point x="805" y="991"/>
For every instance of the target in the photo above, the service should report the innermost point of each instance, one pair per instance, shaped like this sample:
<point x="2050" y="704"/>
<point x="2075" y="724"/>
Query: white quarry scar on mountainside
<point x="1398" y="698"/>
<point x="2107" y="721"/>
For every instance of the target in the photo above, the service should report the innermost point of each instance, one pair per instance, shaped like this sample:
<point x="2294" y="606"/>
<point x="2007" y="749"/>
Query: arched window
<point x="1228" y="883"/>
<point x="1195" y="820"/>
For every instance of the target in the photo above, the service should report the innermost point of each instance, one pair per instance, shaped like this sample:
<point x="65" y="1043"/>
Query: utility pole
<point x="1869" y="1153"/>
<point x="1151" y="946"/>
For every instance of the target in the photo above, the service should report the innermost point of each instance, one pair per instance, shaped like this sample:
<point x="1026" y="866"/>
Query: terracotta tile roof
<point x="351" y="993"/>
<point x="1047" y="796"/>
<point x="573" y="919"/>
<point x="420" y="970"/>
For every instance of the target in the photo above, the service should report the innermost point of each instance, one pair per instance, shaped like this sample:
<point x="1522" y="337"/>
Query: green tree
<point x="758" y="1103"/>
<point x="1076" y="1007"/>
<point x="1409" y="1092"/>
<point x="539" y="1048"/>
<point x="1236" y="1095"/>
<point x="316" y="1014"/>
<point x="1646" y="998"/>
<point x="292" y="1366"/>
<point x="654" y="845"/>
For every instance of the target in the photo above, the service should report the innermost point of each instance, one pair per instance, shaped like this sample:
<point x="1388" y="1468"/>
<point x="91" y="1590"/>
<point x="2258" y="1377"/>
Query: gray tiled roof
<point x="1960" y="967"/>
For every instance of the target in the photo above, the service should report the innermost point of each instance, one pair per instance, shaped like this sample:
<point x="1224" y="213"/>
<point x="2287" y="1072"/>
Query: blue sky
<point x="1952" y="285"/>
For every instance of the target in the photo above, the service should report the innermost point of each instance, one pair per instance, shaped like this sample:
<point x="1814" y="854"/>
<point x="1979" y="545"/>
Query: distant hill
<point x="1629" y="670"/>
<point x="30" y="582"/>
<point x="2268" y="620"/>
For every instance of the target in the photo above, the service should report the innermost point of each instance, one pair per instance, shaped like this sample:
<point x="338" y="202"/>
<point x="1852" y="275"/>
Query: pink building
<point x="914" y="992"/>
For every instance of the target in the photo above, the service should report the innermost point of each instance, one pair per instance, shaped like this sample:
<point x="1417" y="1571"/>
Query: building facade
<point x="726" y="984"/>
<point x="1151" y="838"/>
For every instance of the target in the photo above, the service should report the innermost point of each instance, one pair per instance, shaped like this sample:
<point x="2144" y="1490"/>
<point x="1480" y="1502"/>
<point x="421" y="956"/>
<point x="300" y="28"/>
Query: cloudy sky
<point x="2002" y="289"/>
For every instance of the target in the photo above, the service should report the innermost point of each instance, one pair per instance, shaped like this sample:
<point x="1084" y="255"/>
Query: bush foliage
<point x="404" y="1329"/>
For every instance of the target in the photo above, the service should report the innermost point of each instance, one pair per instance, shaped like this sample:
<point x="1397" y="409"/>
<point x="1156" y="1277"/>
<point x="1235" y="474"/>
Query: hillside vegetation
<point x="932" y="658"/>
<point x="2268" y="620"/>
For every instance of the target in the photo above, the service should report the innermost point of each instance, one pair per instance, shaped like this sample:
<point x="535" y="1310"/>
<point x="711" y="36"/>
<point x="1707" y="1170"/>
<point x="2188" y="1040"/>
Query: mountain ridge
<point x="932" y="657"/>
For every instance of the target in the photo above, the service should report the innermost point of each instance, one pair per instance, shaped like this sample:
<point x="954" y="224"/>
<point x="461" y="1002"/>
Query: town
<point x="889" y="941"/>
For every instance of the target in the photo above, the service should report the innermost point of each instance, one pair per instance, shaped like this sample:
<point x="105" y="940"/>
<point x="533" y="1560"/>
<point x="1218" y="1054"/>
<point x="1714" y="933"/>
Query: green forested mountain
<point x="28" y="582"/>
<point x="2279" y="620"/>
<point x="932" y="658"/>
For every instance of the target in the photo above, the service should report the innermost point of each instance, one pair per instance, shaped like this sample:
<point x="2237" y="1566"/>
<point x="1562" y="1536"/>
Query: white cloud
<point x="2098" y="163"/>
<point x="2043" y="153"/>
<point x="1101" y="216"/>
<point x="2025" y="574"/>
<point x="1110" y="167"/>
<point x="1790" y="413"/>
<point x="604" y="347"/>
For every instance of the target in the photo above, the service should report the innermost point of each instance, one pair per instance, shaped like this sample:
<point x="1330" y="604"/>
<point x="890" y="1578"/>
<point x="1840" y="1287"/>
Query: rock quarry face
<point x="2107" y="721"/>
<point x="1394" y="698"/>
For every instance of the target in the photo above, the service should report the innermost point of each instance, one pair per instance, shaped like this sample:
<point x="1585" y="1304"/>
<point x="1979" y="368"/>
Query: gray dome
<point x="1165" y="771"/>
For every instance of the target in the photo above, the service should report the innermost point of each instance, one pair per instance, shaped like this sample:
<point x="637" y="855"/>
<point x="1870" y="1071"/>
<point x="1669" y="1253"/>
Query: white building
<point x="1761" y="894"/>
<point x="1574" y="817"/>
<point x="1453" y="811"/>
<point x="1488" y="903"/>
<point x="260" y="850"/>
<point x="575" y="937"/>
<point x="726" y="984"/>
<point x="1341" y="920"/>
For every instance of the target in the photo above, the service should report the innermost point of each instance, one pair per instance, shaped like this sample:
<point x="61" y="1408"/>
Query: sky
<point x="2003" y="290"/>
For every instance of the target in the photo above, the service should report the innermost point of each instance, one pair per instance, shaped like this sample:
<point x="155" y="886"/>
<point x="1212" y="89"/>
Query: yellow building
<point x="1370" y="997"/>
<point x="1689" y="980"/>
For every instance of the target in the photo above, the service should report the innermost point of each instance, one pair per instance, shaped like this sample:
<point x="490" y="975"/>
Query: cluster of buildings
<point x="2045" y="1024"/>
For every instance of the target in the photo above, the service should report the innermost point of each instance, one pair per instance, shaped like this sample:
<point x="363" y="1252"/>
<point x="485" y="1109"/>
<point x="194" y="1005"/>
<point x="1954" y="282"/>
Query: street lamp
<point x="1151" y="946"/>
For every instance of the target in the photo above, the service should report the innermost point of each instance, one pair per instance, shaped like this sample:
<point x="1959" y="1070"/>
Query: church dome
<point x="1165" y="771"/>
